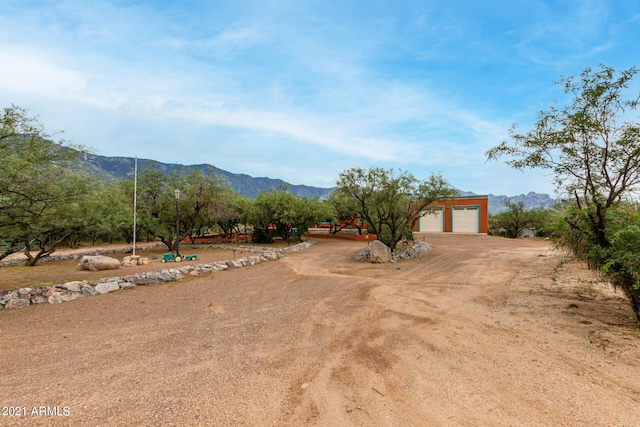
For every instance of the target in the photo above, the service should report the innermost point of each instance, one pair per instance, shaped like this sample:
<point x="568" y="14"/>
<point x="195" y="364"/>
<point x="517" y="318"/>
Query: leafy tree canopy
<point x="592" y="147"/>
<point x="40" y="193"/>
<point x="391" y="202"/>
<point x="278" y="211"/>
<point x="203" y="201"/>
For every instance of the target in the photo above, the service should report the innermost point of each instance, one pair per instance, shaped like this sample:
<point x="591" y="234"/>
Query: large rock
<point x="379" y="252"/>
<point x="17" y="303"/>
<point x="98" y="262"/>
<point x="10" y="295"/>
<point x="73" y="286"/>
<point x="125" y="286"/>
<point x="234" y="263"/>
<point x="89" y="291"/>
<point x="59" y="297"/>
<point x="38" y="299"/>
<point x="271" y="255"/>
<point x="131" y="260"/>
<point x="103" y="288"/>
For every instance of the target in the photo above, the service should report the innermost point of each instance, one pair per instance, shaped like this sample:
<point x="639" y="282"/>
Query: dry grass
<point x="57" y="272"/>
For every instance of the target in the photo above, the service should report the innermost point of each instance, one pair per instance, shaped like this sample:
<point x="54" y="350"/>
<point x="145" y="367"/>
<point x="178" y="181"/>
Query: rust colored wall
<point x="358" y="237"/>
<point x="481" y="201"/>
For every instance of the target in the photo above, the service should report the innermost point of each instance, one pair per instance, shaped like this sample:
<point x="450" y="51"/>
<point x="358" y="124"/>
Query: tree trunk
<point x="169" y="243"/>
<point x="33" y="260"/>
<point x="44" y="252"/>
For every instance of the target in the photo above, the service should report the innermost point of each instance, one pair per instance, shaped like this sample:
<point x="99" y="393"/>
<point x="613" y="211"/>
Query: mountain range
<point x="111" y="168"/>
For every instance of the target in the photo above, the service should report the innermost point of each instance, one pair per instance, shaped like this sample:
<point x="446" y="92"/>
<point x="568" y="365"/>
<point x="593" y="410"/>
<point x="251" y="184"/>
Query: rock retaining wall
<point x="70" y="291"/>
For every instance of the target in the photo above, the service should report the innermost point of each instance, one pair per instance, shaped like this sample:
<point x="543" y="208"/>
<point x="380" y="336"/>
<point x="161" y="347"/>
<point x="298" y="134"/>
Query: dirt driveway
<point x="480" y="331"/>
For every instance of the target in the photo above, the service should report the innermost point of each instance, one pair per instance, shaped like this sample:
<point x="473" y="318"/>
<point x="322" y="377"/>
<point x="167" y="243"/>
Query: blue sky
<point x="302" y="90"/>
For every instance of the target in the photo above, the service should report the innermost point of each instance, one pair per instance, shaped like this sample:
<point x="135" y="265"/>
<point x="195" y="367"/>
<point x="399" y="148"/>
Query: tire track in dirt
<point x="473" y="333"/>
<point x="429" y="342"/>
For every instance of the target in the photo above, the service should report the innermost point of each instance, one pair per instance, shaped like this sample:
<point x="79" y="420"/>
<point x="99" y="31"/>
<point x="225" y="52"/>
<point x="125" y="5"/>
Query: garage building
<point x="458" y="215"/>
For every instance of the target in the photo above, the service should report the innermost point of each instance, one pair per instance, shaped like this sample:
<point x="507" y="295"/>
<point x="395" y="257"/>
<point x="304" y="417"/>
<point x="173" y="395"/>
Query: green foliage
<point x="109" y="213"/>
<point x="544" y="221"/>
<point x="44" y="202"/>
<point x="619" y="261"/>
<point x="279" y="212"/>
<point x="204" y="202"/>
<point x="516" y="218"/>
<point x="408" y="234"/>
<point x="623" y="260"/>
<point x="229" y="212"/>
<point x="342" y="210"/>
<point x="594" y="155"/>
<point x="261" y="235"/>
<point x="390" y="203"/>
<point x="41" y="197"/>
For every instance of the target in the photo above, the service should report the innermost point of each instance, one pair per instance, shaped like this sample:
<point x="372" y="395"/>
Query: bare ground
<point x="480" y="331"/>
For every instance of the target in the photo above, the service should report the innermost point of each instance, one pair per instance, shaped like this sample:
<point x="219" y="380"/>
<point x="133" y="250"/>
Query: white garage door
<point x="465" y="219"/>
<point x="432" y="222"/>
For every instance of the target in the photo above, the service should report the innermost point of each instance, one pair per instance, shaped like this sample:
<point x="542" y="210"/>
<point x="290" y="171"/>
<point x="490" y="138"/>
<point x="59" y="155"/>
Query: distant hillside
<point x="530" y="200"/>
<point x="122" y="167"/>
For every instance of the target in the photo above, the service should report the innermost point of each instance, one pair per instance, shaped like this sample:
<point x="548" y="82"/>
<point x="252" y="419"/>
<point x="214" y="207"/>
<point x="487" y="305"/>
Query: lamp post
<point x="177" y="193"/>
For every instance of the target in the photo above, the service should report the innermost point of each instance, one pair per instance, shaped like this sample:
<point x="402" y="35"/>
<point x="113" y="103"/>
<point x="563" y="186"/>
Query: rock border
<point x="69" y="291"/>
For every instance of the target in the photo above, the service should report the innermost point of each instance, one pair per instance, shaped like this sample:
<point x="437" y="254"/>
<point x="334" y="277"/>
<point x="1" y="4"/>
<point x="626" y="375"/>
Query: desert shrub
<point x="622" y="260"/>
<point x="262" y="235"/>
<point x="619" y="257"/>
<point x="408" y="234"/>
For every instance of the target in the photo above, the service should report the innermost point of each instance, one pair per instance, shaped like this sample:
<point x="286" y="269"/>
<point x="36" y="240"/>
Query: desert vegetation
<point x="593" y="150"/>
<point x="591" y="146"/>
<point x="46" y="201"/>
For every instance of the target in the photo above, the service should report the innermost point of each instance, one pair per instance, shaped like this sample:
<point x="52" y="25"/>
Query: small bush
<point x="262" y="235"/>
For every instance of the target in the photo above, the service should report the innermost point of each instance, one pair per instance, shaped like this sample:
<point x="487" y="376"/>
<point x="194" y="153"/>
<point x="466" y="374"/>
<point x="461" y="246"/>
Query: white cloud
<point x="24" y="72"/>
<point x="400" y="86"/>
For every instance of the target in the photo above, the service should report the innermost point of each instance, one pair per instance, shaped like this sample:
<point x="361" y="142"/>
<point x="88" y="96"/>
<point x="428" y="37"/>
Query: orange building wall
<point x="481" y="201"/>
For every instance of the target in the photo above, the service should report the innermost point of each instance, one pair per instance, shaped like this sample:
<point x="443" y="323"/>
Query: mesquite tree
<point x="391" y="203"/>
<point x="41" y="194"/>
<point x="592" y="147"/>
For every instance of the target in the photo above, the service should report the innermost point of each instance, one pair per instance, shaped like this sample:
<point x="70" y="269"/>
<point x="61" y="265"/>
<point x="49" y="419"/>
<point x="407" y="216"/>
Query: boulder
<point x="59" y="297"/>
<point x="9" y="296"/>
<point x="379" y="252"/>
<point x="17" y="303"/>
<point x="125" y="286"/>
<point x="89" y="291"/>
<point x="271" y="255"/>
<point x="72" y="286"/>
<point x="24" y="293"/>
<point x="131" y="260"/>
<point x="103" y="288"/>
<point x="98" y="262"/>
<point x="234" y="263"/>
<point x="51" y="290"/>
<point x="38" y="299"/>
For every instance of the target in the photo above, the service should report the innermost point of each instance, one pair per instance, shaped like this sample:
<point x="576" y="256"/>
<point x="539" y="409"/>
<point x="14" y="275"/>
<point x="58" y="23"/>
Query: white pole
<point x="135" y="197"/>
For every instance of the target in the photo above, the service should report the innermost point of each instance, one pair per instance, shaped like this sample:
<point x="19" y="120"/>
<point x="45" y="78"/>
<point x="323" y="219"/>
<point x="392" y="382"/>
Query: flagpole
<point x="135" y="197"/>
